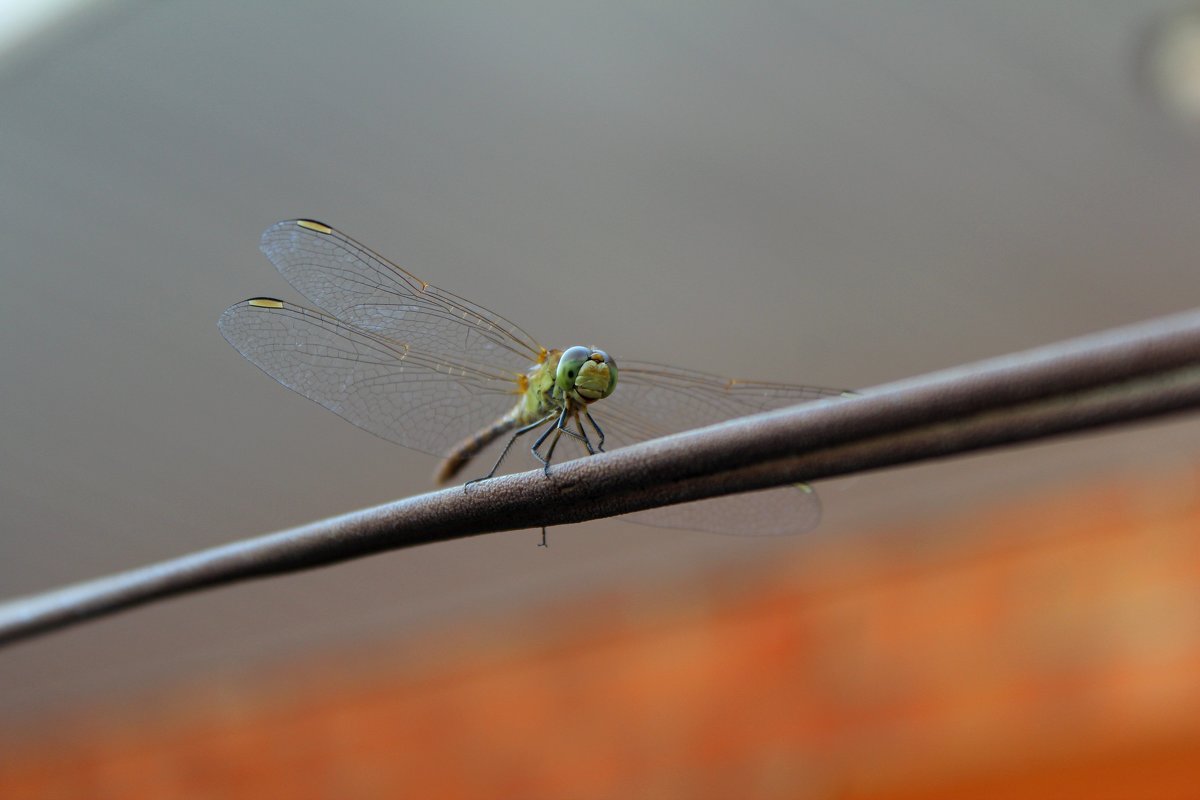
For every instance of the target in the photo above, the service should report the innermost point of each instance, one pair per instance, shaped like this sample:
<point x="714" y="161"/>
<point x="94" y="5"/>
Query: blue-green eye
<point x="569" y="364"/>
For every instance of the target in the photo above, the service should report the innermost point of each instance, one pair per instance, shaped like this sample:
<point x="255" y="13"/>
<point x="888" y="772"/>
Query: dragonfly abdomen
<point x="470" y="447"/>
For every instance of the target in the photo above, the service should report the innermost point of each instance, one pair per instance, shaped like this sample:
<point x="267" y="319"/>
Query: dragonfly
<point x="427" y="369"/>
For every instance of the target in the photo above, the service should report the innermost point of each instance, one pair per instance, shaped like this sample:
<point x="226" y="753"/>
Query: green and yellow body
<point x="561" y="385"/>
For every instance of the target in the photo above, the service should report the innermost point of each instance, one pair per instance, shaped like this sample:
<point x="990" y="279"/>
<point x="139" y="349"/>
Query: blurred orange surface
<point x="1048" y="649"/>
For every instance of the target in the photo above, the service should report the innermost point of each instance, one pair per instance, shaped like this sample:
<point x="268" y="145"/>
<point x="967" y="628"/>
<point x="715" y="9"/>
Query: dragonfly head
<point x="591" y="373"/>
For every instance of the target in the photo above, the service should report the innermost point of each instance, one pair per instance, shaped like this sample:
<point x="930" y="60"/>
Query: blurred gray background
<point x="839" y="193"/>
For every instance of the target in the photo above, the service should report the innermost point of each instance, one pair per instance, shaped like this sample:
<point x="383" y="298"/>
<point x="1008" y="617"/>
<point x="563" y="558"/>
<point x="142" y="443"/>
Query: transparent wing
<point x="370" y="293"/>
<point x="422" y="367"/>
<point x="382" y="385"/>
<point x="771" y="512"/>
<point x="653" y="400"/>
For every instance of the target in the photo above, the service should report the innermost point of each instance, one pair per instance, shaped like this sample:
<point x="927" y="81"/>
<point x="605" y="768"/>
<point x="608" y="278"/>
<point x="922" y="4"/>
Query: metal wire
<point x="1131" y="373"/>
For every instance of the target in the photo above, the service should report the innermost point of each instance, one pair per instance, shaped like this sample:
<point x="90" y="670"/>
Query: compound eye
<point x="569" y="364"/>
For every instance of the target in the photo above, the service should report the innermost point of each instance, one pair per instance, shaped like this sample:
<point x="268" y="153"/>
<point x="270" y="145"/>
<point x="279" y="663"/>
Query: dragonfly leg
<point x="546" y="461"/>
<point x="599" y="430"/>
<point x="581" y="435"/>
<point x="542" y="543"/>
<point x="550" y="452"/>
<point x="559" y="429"/>
<point x="586" y="441"/>
<point x="517" y="434"/>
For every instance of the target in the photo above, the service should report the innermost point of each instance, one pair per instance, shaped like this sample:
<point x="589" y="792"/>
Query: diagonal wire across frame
<point x="1129" y="374"/>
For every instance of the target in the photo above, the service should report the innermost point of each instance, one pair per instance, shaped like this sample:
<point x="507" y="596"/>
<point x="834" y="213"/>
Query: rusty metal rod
<point x="1137" y="372"/>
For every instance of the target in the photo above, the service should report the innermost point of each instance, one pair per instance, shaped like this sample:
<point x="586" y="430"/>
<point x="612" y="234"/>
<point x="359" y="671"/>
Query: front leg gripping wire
<point x="558" y="429"/>
<point x="1120" y="376"/>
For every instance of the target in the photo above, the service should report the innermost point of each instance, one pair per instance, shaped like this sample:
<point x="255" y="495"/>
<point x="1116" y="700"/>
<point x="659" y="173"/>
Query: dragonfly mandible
<point x="427" y="369"/>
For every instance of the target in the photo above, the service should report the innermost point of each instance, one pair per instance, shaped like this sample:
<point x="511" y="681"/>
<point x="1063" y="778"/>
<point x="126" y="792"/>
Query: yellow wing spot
<point x="522" y="384"/>
<point x="543" y="355"/>
<point x="732" y="382"/>
<point x="313" y="225"/>
<point x="264" y="302"/>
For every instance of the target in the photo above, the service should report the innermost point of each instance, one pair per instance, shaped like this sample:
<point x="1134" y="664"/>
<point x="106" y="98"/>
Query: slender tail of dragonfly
<point x="470" y="447"/>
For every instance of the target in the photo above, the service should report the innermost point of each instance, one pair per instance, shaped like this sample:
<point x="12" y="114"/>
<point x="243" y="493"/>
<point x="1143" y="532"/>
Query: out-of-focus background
<point x="838" y="193"/>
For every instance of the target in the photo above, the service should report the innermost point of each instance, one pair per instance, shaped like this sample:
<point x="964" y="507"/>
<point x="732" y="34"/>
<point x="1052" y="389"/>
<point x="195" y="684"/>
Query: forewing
<point x="370" y="293"/>
<point x="383" y="386"/>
